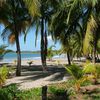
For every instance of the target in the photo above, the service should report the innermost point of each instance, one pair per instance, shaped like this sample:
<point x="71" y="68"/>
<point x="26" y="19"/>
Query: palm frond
<point x="33" y="6"/>
<point x="91" y="27"/>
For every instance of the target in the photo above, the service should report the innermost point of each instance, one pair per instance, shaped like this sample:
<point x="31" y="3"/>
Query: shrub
<point x="75" y="71"/>
<point x="89" y="68"/>
<point x="93" y="70"/>
<point x="3" y="74"/>
<point x="9" y="92"/>
<point x="56" y="91"/>
<point x="98" y="70"/>
<point x="77" y="75"/>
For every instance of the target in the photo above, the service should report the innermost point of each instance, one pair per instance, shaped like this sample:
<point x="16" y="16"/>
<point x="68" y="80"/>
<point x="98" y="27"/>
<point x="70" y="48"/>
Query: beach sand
<point x="38" y="61"/>
<point x="33" y="76"/>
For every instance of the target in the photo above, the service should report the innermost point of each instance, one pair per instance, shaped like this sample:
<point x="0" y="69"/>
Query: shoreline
<point x="37" y="61"/>
<point x="25" y="62"/>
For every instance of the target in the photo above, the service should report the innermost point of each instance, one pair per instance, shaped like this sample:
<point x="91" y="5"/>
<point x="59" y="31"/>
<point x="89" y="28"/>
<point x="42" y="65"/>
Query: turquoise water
<point x="9" y="57"/>
<point x="25" y="56"/>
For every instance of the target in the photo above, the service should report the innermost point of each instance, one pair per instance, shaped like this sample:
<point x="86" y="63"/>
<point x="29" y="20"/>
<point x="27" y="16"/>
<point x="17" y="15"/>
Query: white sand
<point x="37" y="79"/>
<point x="38" y="62"/>
<point x="31" y="79"/>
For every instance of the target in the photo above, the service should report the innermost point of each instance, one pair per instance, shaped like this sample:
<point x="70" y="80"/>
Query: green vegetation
<point x="81" y="75"/>
<point x="3" y="51"/>
<point x="75" y="24"/>
<point x="3" y="75"/>
<point x="55" y="92"/>
<point x="77" y="74"/>
<point x="51" y="52"/>
<point x="12" y="92"/>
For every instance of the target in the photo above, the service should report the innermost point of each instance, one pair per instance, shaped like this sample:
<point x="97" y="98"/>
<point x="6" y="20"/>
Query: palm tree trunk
<point x="43" y="40"/>
<point x="42" y="43"/>
<point x="68" y="57"/>
<point x="45" y="55"/>
<point x="18" y="70"/>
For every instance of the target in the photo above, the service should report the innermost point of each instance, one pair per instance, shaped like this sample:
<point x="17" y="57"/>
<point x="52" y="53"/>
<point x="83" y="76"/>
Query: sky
<point x="29" y="45"/>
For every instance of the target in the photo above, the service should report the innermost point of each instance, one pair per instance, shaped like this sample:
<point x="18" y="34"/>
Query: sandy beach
<point x="54" y="61"/>
<point x="34" y="76"/>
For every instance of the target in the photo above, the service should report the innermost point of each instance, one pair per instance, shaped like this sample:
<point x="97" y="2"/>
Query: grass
<point x="60" y="91"/>
<point x="11" y="92"/>
<point x="33" y="94"/>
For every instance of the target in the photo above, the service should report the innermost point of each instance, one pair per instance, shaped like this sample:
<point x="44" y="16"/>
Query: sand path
<point x="34" y="77"/>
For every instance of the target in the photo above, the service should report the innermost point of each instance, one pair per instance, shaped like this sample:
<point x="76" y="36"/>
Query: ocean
<point x="24" y="56"/>
<point x="10" y="57"/>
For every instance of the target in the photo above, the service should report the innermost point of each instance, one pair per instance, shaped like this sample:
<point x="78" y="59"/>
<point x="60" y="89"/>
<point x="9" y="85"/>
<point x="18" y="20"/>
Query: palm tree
<point x="61" y="30"/>
<point x="15" y="17"/>
<point x="3" y="51"/>
<point x="46" y="11"/>
<point x="90" y="22"/>
<point x="78" y="16"/>
<point x="41" y="23"/>
<point x="66" y="48"/>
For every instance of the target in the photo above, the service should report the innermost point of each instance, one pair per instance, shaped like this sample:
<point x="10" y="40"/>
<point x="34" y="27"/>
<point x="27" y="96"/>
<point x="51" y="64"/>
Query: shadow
<point x="50" y="68"/>
<point x="2" y="64"/>
<point x="35" y="77"/>
<point x="35" y="72"/>
<point x="32" y="68"/>
<point x="55" y="77"/>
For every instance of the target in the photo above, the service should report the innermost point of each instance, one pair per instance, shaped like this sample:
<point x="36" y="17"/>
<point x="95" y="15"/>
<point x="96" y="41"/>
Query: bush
<point x="98" y="70"/>
<point x="57" y="91"/>
<point x="9" y="92"/>
<point x="75" y="71"/>
<point x="3" y="74"/>
<point x="32" y="94"/>
<point x="89" y="68"/>
<point x="93" y="70"/>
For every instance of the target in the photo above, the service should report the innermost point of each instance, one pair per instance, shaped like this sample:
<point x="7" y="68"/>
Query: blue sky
<point x="30" y="40"/>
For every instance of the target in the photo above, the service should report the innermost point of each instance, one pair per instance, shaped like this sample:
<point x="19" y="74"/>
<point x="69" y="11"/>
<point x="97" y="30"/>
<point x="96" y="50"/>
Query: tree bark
<point x="45" y="55"/>
<point x="68" y="57"/>
<point x="42" y="43"/>
<point x="18" y="70"/>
